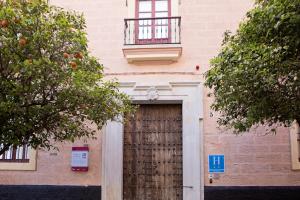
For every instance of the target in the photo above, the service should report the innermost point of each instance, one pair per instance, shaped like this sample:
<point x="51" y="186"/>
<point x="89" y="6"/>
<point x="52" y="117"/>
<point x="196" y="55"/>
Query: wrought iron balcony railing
<point x="159" y="30"/>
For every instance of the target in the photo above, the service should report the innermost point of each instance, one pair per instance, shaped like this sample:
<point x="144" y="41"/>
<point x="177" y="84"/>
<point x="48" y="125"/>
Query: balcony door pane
<point x="145" y="26"/>
<point x="161" y="26"/>
<point x="161" y="5"/>
<point x="154" y="30"/>
<point x="145" y="6"/>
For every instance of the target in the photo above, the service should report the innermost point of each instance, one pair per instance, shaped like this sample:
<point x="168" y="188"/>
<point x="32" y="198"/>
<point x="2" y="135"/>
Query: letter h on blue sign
<point x="216" y="163"/>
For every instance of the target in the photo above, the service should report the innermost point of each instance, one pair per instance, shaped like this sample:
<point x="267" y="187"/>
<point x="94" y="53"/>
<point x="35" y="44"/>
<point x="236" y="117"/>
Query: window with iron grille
<point x="153" y="24"/>
<point x="15" y="154"/>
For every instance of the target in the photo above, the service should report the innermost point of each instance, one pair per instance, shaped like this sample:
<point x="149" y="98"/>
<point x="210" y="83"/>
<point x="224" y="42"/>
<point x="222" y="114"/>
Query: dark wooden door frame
<point x="156" y="130"/>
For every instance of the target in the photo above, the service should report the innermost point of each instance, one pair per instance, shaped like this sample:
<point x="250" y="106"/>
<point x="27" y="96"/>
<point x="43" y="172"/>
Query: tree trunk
<point x="5" y="148"/>
<point x="298" y="121"/>
<point x="298" y="125"/>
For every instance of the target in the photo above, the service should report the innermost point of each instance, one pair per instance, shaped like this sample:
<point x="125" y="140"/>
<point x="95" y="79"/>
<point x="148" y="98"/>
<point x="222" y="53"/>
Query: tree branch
<point x="4" y="149"/>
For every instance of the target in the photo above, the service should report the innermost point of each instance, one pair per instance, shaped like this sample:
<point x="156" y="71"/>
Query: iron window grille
<point x="16" y="154"/>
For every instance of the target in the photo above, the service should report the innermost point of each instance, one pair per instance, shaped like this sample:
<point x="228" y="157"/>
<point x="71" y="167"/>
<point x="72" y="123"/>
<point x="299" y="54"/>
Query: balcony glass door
<point x="161" y="25"/>
<point x="145" y="26"/>
<point x="153" y="25"/>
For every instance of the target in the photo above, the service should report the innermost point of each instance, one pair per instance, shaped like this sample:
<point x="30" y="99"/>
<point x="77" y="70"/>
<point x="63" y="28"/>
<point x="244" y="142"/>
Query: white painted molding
<point x="137" y="54"/>
<point x="152" y="94"/>
<point x="127" y="84"/>
<point x="185" y="84"/>
<point x="295" y="152"/>
<point x="157" y="87"/>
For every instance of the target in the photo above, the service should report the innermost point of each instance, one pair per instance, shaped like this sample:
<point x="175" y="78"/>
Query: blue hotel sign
<point x="216" y="163"/>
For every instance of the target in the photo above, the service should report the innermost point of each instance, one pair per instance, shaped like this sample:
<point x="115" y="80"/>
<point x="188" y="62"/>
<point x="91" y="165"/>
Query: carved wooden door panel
<point x="152" y="163"/>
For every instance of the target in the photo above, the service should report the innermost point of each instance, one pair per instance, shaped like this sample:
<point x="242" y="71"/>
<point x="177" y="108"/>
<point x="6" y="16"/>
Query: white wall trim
<point x="295" y="152"/>
<point x="190" y="94"/>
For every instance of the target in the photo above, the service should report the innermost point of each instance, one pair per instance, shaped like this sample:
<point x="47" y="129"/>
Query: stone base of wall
<point x="45" y="192"/>
<point x="252" y="193"/>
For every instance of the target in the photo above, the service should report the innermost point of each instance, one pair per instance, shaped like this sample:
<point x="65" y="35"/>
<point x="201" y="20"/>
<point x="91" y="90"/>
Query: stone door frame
<point x="189" y="94"/>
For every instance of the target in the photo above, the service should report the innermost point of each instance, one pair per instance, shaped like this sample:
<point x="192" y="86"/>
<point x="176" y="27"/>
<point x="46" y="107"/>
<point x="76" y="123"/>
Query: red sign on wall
<point x="80" y="158"/>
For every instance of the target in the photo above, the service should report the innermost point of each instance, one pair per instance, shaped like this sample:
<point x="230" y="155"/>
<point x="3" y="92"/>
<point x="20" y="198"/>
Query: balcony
<point x="160" y="30"/>
<point x="152" y="39"/>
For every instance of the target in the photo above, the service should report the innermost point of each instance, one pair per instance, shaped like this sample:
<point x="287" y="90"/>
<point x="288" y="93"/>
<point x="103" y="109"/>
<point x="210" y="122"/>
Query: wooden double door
<point x="152" y="162"/>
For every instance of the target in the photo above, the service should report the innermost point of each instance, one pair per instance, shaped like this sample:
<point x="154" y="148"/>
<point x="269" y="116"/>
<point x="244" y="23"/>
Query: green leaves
<point x="254" y="77"/>
<point x="51" y="88"/>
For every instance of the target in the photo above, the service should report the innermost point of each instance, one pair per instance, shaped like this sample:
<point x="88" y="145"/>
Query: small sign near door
<point x="216" y="163"/>
<point x="80" y="157"/>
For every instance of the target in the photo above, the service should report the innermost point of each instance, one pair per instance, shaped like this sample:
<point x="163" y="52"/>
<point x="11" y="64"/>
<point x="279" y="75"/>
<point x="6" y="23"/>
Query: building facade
<point x="159" y="50"/>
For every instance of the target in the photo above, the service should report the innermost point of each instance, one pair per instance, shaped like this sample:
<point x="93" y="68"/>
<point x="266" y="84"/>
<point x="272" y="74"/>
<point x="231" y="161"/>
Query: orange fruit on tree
<point x="78" y="55"/>
<point x="22" y="42"/>
<point x="73" y="65"/>
<point x="66" y="55"/>
<point x="4" y="23"/>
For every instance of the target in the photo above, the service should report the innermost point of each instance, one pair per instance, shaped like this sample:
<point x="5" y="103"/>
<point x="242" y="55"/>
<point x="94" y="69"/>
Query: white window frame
<point x="295" y="145"/>
<point x="21" y="166"/>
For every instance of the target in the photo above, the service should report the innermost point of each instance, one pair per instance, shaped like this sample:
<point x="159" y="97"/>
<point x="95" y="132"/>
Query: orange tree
<point x="50" y="85"/>
<point x="256" y="77"/>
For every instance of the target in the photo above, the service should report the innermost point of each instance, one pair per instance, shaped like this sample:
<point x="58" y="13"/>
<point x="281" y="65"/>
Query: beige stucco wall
<point x="250" y="159"/>
<point x="54" y="168"/>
